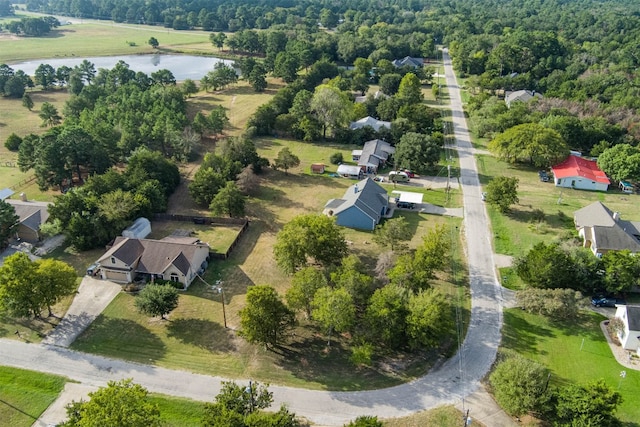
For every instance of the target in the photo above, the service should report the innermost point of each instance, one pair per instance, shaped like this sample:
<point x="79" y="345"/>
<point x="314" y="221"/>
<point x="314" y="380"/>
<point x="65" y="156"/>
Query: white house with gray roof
<point x="629" y="336"/>
<point x="362" y="206"/>
<point x="374" y="123"/>
<point x="602" y="230"/>
<point x="374" y="154"/>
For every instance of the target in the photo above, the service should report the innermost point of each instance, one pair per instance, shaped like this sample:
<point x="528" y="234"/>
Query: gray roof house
<point x="629" y="336"/>
<point x="602" y="230"/>
<point x="408" y="61"/>
<point x="173" y="258"/>
<point x="371" y="122"/>
<point x="520" y="96"/>
<point x="362" y="206"/>
<point x="32" y="215"/>
<point x="375" y="154"/>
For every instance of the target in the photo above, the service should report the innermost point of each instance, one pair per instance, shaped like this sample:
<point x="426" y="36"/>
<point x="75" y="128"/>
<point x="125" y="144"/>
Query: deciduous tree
<point x="265" y="319"/>
<point x="620" y="162"/>
<point x="334" y="310"/>
<point x="228" y="201"/>
<point x="417" y="151"/>
<point x="502" y="191"/>
<point x="157" y="300"/>
<point x="430" y="319"/>
<point x="588" y="405"/>
<point x="385" y="318"/>
<point x="286" y="160"/>
<point x="8" y="222"/>
<point x="303" y="288"/>
<point x="122" y="403"/>
<point x="309" y="237"/>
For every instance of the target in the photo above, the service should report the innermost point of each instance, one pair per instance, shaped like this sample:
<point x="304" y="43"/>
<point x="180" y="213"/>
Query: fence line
<point x="23" y="182"/>
<point x="209" y="221"/>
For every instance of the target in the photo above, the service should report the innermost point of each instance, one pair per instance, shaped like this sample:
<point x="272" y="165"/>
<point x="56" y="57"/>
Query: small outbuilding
<point x="317" y="168"/>
<point x="349" y="171"/>
<point x="140" y="229"/>
<point x="581" y="174"/>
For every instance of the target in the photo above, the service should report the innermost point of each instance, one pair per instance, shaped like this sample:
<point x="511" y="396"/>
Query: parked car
<point x="406" y="205"/>
<point x="378" y="178"/>
<point x="544" y="176"/>
<point x="398" y="176"/>
<point x="409" y="173"/>
<point x="483" y="196"/>
<point x="93" y="269"/>
<point x="601" y="301"/>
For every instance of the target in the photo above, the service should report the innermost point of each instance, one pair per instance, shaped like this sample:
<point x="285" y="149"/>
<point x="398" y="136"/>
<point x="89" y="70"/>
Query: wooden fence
<point x="209" y="221"/>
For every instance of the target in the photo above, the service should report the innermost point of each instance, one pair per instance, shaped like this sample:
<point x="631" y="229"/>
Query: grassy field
<point x="574" y="352"/>
<point x="444" y="416"/>
<point x="102" y="38"/>
<point x="24" y="395"/>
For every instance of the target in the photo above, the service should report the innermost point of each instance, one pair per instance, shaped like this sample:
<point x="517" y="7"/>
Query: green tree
<point x="334" y="310"/>
<point x="189" y="87"/>
<point x="554" y="303"/>
<point x="530" y="142"/>
<point x="153" y="42"/>
<point x="45" y="76"/>
<point x="350" y="275"/>
<point x="593" y="404"/>
<point x="622" y="270"/>
<point x="417" y="152"/>
<point x="122" y="403"/>
<point x="237" y="406"/>
<point x="27" y="102"/>
<point x="385" y="318"/>
<point x="228" y="201"/>
<point x="620" y="162"/>
<point x="206" y="183"/>
<point x="365" y="421"/>
<point x="331" y="107"/>
<point x="157" y="300"/>
<point x="27" y="287"/>
<point x="13" y="142"/>
<point x="258" y="78"/>
<point x="286" y="67"/>
<point x="502" y="192"/>
<point x="410" y="90"/>
<point x="49" y="115"/>
<point x="8" y="222"/>
<point x="303" y="288"/>
<point x="430" y="319"/>
<point x="305" y="237"/>
<point x="265" y="319"/>
<point x="546" y="266"/>
<point x="520" y="385"/>
<point x="286" y="160"/>
<point x="218" y="39"/>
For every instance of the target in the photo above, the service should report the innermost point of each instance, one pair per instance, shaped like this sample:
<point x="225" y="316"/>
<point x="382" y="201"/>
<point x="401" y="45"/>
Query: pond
<point x="182" y="66"/>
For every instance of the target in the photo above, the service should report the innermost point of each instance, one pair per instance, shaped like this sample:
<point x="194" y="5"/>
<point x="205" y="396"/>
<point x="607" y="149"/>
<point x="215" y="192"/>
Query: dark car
<point x="600" y="301"/>
<point x="405" y="205"/>
<point x="544" y="177"/>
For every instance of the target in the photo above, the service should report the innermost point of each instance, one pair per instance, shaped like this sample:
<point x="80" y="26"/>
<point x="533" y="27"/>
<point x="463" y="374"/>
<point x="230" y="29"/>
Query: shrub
<point x="336" y="158"/>
<point x="554" y="303"/>
<point x="361" y="354"/>
<point x="13" y="142"/>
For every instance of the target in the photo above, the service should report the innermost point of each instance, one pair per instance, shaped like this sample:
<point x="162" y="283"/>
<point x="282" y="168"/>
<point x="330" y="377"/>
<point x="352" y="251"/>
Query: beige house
<point x="178" y="259"/>
<point x="602" y="230"/>
<point x="32" y="215"/>
<point x="629" y="336"/>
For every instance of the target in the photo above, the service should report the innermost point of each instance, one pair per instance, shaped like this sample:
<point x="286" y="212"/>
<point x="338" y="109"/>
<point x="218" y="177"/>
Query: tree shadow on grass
<point x="530" y="214"/>
<point x="310" y="359"/>
<point x="202" y="333"/>
<point x="520" y="334"/>
<point x="121" y="338"/>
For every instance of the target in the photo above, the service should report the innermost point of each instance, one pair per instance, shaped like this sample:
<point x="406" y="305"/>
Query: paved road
<point x="454" y="381"/>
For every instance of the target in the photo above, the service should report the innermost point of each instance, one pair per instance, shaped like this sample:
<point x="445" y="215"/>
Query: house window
<point x="174" y="277"/>
<point x="113" y="260"/>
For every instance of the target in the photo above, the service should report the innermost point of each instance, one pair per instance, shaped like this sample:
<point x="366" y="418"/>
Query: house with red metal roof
<point x="581" y="174"/>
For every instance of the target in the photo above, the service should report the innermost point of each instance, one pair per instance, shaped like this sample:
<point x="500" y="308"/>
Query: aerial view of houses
<point x="311" y="213"/>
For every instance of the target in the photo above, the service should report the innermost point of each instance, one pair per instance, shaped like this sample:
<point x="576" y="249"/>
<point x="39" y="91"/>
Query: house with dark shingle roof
<point x="602" y="230"/>
<point x="629" y="336"/>
<point x="362" y="206"/>
<point x="520" y="96"/>
<point x="408" y="61"/>
<point x="32" y="215"/>
<point x="173" y="258"/>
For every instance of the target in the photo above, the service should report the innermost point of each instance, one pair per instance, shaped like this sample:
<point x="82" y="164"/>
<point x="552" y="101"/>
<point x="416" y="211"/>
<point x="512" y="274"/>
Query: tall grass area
<point x="444" y="416"/>
<point x="24" y="395"/>
<point x="575" y="351"/>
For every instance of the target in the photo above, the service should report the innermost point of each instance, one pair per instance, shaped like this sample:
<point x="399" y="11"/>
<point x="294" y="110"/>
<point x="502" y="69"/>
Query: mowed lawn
<point x="574" y="352"/>
<point x="194" y="337"/>
<point x="518" y="231"/>
<point x="24" y="395"/>
<point x="101" y="38"/>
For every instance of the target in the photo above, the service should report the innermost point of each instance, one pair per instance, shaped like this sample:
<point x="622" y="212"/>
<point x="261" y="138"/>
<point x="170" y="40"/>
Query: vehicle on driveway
<point x="602" y="301"/>
<point x="544" y="176"/>
<point x="398" y="176"/>
<point x="406" y="205"/>
<point x="409" y="173"/>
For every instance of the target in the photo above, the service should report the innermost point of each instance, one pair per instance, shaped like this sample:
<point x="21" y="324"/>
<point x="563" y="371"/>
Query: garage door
<point x="116" y="276"/>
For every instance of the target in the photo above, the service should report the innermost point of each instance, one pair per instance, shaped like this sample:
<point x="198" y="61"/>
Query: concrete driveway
<point x="93" y="296"/>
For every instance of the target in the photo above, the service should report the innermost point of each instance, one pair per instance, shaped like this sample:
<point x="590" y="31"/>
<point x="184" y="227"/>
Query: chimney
<point x="23" y="197"/>
<point x="355" y="188"/>
<point x="616" y="216"/>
